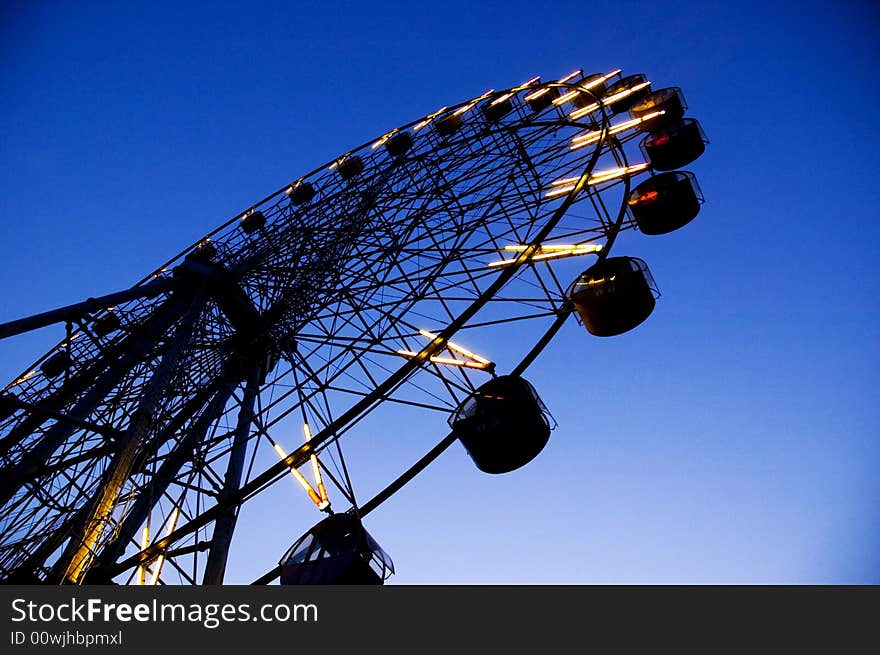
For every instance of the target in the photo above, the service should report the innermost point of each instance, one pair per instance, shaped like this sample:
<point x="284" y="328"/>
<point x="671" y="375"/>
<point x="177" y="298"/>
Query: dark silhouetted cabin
<point x="669" y="100"/>
<point x="624" y="83"/>
<point x="336" y="551"/>
<point x="581" y="99"/>
<point x="253" y="221"/>
<point x="301" y="193"/>
<point x="503" y="425"/>
<point x="540" y="102"/>
<point x="674" y="145"/>
<point x="448" y="125"/>
<point x="350" y="167"/>
<point x="8" y="405"/>
<point x="56" y="364"/>
<point x="495" y="111"/>
<point x="108" y="323"/>
<point x="665" y="202"/>
<point x="614" y="295"/>
<point x="205" y="251"/>
<point x="399" y="144"/>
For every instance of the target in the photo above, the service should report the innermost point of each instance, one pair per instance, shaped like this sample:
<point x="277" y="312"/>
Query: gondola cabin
<point x="541" y="98"/>
<point x="106" y="324"/>
<point x="675" y="145"/>
<point x="495" y="110"/>
<point x="503" y="425"/>
<point x="596" y="91"/>
<point x="624" y="103"/>
<point x="665" y="202"/>
<point x="399" y="144"/>
<point x="669" y="100"/>
<point x="336" y="551"/>
<point x="350" y="167"/>
<point x="204" y="252"/>
<point x="614" y="295"/>
<point x="56" y="364"/>
<point x="301" y="193"/>
<point x="448" y="125"/>
<point x="253" y="222"/>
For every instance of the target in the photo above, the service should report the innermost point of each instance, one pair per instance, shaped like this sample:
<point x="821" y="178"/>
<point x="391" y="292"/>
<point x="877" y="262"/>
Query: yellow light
<point x="500" y="99"/>
<point x="565" y="98"/>
<point x="565" y="185"/>
<point x="142" y="569"/>
<point x="554" y="251"/>
<point x="571" y="75"/>
<point x="592" y="137"/>
<point x="316" y="470"/>
<point x="537" y="94"/>
<point x="445" y="360"/>
<point x="428" y="119"/>
<point x="473" y="103"/>
<point x="610" y="99"/>
<point x="454" y="347"/>
<point x="384" y="138"/>
<point x="24" y="378"/>
<point x="298" y="476"/>
<point x="534" y="80"/>
<point x="169" y="528"/>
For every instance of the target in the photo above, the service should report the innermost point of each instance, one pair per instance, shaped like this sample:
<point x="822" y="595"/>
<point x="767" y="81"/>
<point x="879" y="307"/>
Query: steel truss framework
<point x="157" y="422"/>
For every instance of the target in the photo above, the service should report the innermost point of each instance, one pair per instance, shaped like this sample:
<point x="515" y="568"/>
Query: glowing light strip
<point x="316" y="471"/>
<point x="536" y="94"/>
<point x="298" y="476"/>
<point x="169" y="528"/>
<point x="566" y="185"/>
<point x="601" y="280"/>
<point x="454" y="347"/>
<point x="142" y="568"/>
<point x="551" y="252"/>
<point x="384" y="138"/>
<point x="573" y="93"/>
<point x="24" y="378"/>
<point x="607" y="101"/>
<point x="445" y="360"/>
<point x="534" y="80"/>
<point x="592" y="137"/>
<point x="553" y="247"/>
<point x="571" y="75"/>
<point x="473" y="103"/>
<point x="428" y="119"/>
<point x="500" y="99"/>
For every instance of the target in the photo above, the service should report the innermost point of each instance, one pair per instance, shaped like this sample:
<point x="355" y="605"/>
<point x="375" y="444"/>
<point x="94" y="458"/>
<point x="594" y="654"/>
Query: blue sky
<point x="734" y="437"/>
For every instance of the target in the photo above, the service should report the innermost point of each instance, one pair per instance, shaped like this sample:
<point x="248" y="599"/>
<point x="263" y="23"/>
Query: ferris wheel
<point x="130" y="449"/>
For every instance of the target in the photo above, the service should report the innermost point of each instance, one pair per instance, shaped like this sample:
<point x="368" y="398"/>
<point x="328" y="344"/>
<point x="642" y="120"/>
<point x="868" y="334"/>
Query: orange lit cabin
<point x="665" y="202"/>
<point x="674" y="145"/>
<point x="614" y="295"/>
<point x="336" y="551"/>
<point x="503" y="425"/>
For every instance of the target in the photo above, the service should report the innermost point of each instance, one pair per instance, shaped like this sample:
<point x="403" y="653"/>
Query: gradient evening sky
<point x="734" y="437"/>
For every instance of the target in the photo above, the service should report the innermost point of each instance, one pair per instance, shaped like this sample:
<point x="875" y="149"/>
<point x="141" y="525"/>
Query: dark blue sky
<point x="731" y="438"/>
